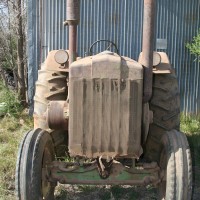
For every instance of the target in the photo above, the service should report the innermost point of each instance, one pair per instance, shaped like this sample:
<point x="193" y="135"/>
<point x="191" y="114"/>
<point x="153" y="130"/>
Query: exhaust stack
<point x="73" y="18"/>
<point x="147" y="47"/>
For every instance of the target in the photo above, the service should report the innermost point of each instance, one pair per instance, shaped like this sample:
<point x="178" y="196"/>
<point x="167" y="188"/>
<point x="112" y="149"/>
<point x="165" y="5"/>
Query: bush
<point x="9" y="103"/>
<point x="190" y="124"/>
<point x="194" y="46"/>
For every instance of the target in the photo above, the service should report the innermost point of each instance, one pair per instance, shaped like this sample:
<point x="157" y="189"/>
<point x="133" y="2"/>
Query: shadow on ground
<point x="68" y="192"/>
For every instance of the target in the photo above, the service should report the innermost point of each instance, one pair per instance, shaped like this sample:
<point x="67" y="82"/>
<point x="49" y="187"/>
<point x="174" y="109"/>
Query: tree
<point x="20" y="52"/>
<point x="7" y="41"/>
<point x="13" y="43"/>
<point x="194" y="46"/>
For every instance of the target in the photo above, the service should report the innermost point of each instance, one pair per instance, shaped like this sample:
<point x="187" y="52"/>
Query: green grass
<point x="191" y="126"/>
<point x="9" y="98"/>
<point x="11" y="131"/>
<point x="13" y="125"/>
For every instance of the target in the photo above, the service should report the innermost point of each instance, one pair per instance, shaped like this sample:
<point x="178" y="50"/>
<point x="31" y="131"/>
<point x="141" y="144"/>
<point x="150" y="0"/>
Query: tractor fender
<point x="161" y="63"/>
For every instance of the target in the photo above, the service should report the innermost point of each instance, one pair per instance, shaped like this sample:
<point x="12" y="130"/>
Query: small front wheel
<point x="176" y="167"/>
<point x="35" y="153"/>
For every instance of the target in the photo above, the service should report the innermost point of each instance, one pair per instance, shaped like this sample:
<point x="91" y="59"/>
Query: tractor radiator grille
<point x="105" y="117"/>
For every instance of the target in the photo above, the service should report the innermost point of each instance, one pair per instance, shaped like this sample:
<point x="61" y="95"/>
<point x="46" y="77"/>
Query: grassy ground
<point x="11" y="132"/>
<point x="191" y="126"/>
<point x="12" y="127"/>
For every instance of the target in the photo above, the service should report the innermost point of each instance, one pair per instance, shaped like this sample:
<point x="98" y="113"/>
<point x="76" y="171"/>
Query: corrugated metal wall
<point x="33" y="48"/>
<point x="178" y="21"/>
<point x="121" y="22"/>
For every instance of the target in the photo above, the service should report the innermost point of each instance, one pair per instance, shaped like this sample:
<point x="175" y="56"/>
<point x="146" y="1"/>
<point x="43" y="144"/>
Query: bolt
<point x="62" y="180"/>
<point x="66" y="114"/>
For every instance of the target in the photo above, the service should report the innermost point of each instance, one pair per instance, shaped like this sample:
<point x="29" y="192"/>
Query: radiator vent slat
<point x="106" y="115"/>
<point x="105" y="120"/>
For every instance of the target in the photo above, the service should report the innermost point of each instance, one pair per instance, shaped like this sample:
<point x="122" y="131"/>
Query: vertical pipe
<point x="147" y="47"/>
<point x="73" y="17"/>
<point x="72" y="43"/>
<point x="41" y="33"/>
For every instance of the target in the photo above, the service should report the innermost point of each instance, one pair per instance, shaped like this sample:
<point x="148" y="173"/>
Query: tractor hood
<point x="105" y="106"/>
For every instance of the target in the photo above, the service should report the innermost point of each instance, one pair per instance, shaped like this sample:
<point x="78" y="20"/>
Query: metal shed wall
<point x="121" y="22"/>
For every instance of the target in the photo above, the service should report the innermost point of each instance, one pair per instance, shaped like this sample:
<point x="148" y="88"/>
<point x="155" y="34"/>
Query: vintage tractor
<point x="105" y="120"/>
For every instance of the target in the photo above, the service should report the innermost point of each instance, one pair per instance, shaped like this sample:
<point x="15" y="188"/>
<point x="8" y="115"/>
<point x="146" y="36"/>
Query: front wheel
<point x="35" y="153"/>
<point x="176" y="167"/>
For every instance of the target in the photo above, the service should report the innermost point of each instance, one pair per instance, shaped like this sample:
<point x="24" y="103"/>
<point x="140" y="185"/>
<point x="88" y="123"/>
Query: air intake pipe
<point x="147" y="47"/>
<point x="73" y="18"/>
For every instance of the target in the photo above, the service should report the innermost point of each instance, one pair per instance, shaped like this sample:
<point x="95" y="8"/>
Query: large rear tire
<point x="51" y="86"/>
<point x="176" y="167"/>
<point x="165" y="104"/>
<point x="35" y="153"/>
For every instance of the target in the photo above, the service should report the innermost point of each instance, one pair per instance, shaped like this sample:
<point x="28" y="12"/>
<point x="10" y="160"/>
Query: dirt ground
<point x="68" y="192"/>
<point x="111" y="193"/>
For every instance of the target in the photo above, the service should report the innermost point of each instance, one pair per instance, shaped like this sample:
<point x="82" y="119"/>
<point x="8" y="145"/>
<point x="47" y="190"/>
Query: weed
<point x="9" y="101"/>
<point x="190" y="125"/>
<point x="194" y="46"/>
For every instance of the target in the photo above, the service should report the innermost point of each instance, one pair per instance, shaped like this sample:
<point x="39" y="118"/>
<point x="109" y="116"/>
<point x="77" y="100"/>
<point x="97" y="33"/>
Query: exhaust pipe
<point x="73" y="18"/>
<point x="147" y="47"/>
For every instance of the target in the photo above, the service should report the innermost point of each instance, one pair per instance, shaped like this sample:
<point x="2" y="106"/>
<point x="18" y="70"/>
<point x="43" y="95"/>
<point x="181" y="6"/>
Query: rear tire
<point x="176" y="167"/>
<point x="35" y="153"/>
<point x="51" y="86"/>
<point x="165" y="104"/>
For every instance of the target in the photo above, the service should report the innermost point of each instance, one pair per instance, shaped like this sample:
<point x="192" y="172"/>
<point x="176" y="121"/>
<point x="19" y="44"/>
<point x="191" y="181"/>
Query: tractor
<point x="105" y="119"/>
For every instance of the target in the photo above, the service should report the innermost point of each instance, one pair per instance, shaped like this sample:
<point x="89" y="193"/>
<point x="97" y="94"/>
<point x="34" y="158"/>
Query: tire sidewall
<point x="30" y="167"/>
